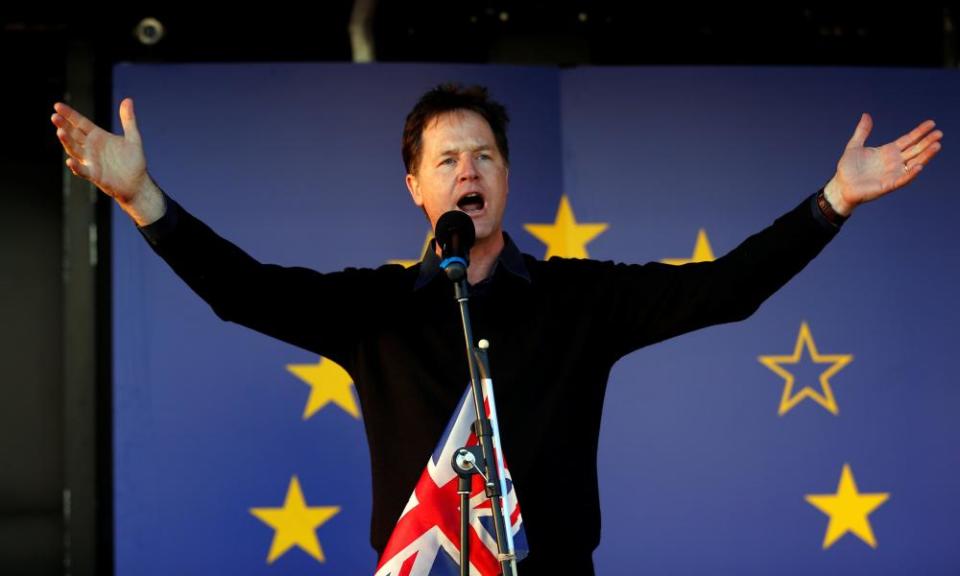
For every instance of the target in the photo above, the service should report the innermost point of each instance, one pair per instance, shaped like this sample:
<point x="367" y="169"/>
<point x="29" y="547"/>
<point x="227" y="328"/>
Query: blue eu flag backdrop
<point x="818" y="436"/>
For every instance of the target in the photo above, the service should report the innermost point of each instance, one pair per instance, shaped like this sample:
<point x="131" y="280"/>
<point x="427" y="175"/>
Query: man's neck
<point x="483" y="257"/>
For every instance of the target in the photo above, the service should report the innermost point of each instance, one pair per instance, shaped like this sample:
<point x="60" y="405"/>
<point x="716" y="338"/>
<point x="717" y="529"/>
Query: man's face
<point x="461" y="168"/>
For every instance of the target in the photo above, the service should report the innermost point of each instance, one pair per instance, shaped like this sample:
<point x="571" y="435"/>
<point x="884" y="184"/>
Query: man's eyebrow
<point x="455" y="151"/>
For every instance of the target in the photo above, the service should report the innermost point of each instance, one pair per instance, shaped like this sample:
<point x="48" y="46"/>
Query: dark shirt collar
<point x="510" y="258"/>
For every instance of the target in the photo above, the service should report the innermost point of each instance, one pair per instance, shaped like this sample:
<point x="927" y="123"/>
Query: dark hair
<point x="449" y="98"/>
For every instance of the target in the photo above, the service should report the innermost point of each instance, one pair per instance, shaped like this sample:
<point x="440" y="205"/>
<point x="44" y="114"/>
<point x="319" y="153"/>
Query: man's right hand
<point x="115" y="164"/>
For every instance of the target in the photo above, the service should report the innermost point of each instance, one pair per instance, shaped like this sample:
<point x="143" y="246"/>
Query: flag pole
<point x="490" y="465"/>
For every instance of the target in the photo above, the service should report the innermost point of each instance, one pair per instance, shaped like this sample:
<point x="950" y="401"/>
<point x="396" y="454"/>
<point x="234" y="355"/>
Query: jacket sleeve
<point x="316" y="311"/>
<point x="652" y="302"/>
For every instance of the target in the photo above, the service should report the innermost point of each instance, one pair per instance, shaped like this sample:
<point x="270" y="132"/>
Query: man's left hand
<point x="865" y="173"/>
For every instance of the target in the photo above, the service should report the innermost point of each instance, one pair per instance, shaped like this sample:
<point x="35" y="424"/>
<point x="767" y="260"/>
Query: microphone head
<point x="455" y="234"/>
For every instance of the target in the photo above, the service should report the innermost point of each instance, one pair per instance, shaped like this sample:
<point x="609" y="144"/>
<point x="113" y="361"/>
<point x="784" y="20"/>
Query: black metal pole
<point x="465" y="483"/>
<point x="485" y="437"/>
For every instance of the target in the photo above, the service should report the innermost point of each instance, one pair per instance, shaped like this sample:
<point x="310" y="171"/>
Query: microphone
<point x="455" y="234"/>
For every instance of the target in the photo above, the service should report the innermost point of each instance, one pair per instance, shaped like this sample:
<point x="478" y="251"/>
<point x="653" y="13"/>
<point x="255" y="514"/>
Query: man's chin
<point x="484" y="225"/>
<point x="486" y="232"/>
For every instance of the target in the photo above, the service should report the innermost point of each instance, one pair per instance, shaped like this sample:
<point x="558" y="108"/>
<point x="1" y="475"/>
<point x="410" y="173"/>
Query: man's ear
<point x="413" y="185"/>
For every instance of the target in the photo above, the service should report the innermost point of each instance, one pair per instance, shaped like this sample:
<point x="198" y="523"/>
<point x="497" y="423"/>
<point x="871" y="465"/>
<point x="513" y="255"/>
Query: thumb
<point x="129" y="121"/>
<point x="860" y="134"/>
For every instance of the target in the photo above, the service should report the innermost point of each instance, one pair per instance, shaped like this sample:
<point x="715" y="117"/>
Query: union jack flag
<point x="426" y="539"/>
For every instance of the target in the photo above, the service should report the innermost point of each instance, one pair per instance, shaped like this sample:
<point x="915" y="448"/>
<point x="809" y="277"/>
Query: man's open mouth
<point x="471" y="203"/>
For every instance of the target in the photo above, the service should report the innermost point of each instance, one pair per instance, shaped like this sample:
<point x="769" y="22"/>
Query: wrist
<point x="147" y="206"/>
<point x="834" y="198"/>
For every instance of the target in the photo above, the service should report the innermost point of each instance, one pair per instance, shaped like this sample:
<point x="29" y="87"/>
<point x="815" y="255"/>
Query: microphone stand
<point x="487" y="460"/>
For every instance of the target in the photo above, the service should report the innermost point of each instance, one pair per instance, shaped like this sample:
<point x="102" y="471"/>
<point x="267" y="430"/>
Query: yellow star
<point x="295" y="524"/>
<point x="565" y="237"/>
<point x="848" y="510"/>
<point x="826" y="399"/>
<point x="329" y="383"/>
<point x="409" y="263"/>
<point x="702" y="252"/>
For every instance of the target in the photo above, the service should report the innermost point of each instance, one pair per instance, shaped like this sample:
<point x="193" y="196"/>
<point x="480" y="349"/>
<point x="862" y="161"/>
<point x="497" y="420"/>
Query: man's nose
<point x="468" y="168"/>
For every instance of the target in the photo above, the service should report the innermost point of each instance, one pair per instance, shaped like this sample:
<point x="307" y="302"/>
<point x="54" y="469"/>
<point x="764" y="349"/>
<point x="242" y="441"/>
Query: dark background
<point x="55" y="435"/>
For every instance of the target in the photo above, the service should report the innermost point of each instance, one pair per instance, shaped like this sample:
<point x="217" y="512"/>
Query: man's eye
<point x="447" y="161"/>
<point x="484" y="156"/>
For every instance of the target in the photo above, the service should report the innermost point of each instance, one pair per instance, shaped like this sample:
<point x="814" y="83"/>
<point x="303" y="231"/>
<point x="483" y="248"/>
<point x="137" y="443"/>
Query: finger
<point x="67" y="137"/>
<point x="75" y="118"/>
<point x="915" y="166"/>
<point x="916" y="149"/>
<point x="860" y="134"/>
<point x="129" y="121"/>
<point x="915" y="135"/>
<point x="78" y="168"/>
<point x="58" y="120"/>
<point x="924" y="157"/>
<point x="72" y="131"/>
<point x="63" y="130"/>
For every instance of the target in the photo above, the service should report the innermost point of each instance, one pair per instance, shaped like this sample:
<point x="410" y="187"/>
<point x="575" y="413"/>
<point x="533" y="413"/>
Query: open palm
<point x="866" y="173"/>
<point x="115" y="164"/>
